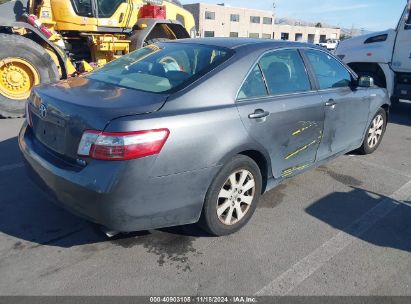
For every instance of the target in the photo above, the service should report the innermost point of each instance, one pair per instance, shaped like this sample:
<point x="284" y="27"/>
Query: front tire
<point x="375" y="133"/>
<point x="23" y="64"/>
<point x="232" y="197"/>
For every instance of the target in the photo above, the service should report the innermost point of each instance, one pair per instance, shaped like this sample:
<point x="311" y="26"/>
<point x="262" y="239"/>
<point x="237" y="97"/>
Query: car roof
<point x="238" y="43"/>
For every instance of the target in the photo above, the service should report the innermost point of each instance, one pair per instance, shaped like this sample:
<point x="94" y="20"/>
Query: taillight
<point x="28" y="115"/>
<point x="122" y="145"/>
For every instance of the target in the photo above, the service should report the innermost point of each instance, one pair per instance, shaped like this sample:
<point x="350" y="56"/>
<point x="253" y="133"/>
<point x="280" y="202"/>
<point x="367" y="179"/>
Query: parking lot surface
<point x="342" y="229"/>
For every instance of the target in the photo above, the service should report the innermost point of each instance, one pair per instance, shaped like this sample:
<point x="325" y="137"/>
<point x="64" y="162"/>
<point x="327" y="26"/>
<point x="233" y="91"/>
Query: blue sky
<point x="371" y="15"/>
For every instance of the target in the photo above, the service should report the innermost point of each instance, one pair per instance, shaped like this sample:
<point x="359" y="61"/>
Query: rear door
<point x="347" y="107"/>
<point x="282" y="112"/>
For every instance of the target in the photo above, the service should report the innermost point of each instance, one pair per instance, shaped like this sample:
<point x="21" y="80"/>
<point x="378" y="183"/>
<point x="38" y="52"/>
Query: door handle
<point x="331" y="102"/>
<point x="259" y="113"/>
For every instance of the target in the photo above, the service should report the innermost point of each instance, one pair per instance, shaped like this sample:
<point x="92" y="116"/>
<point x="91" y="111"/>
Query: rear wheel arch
<point x="262" y="159"/>
<point x="147" y="31"/>
<point x="38" y="38"/>
<point x="262" y="163"/>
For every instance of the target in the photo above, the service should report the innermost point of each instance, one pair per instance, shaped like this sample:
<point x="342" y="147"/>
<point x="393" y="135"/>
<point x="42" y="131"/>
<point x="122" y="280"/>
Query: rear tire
<point x="375" y="133"/>
<point x="232" y="197"/>
<point x="23" y="64"/>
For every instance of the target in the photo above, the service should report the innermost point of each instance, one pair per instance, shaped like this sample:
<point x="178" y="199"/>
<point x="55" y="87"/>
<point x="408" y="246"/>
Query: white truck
<point x="330" y="44"/>
<point x="385" y="56"/>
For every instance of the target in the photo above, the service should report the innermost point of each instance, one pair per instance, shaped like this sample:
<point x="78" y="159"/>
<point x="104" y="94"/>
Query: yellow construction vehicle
<point x="42" y="41"/>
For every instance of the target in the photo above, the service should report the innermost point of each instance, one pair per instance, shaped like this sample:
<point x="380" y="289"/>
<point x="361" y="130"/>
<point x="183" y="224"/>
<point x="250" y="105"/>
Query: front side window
<point x="285" y="72"/>
<point x="328" y="71"/>
<point x="253" y="86"/>
<point x="255" y="19"/>
<point x="163" y="67"/>
<point x="210" y="15"/>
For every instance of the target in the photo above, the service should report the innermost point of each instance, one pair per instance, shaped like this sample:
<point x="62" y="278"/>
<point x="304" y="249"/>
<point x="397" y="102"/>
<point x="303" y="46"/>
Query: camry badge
<point x="43" y="110"/>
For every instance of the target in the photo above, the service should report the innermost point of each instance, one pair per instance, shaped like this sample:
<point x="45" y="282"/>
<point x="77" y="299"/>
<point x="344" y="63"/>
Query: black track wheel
<point x="23" y="64"/>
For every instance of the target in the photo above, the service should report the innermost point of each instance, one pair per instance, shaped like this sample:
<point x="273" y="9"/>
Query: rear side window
<point x="329" y="72"/>
<point x="253" y="86"/>
<point x="163" y="67"/>
<point x="285" y="72"/>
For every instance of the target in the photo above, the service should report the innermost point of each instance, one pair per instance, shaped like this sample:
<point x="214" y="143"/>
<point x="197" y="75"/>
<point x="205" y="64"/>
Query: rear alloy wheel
<point x="374" y="133"/>
<point x="232" y="197"/>
<point x="235" y="197"/>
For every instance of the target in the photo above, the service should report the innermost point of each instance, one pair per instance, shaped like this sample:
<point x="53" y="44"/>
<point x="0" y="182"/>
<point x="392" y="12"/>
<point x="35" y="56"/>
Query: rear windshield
<point x="163" y="67"/>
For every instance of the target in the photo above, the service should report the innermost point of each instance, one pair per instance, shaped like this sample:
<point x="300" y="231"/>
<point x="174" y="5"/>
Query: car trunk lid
<point x="61" y="112"/>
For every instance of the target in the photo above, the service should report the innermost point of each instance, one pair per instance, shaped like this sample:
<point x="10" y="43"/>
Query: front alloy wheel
<point x="375" y="133"/>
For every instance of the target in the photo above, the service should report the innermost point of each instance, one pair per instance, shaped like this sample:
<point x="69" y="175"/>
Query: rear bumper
<point x="119" y="195"/>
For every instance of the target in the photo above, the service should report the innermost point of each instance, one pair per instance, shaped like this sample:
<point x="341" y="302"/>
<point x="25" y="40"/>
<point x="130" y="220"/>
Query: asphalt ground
<point x="342" y="229"/>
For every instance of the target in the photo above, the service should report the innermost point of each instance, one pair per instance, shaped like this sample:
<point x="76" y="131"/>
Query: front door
<point x="347" y="108"/>
<point x="401" y="61"/>
<point x="282" y="112"/>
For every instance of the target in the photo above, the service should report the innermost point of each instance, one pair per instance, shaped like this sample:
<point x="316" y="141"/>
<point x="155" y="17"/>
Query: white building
<point x="225" y="21"/>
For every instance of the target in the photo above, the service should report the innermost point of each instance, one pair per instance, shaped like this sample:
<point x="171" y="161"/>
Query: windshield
<point x="164" y="67"/>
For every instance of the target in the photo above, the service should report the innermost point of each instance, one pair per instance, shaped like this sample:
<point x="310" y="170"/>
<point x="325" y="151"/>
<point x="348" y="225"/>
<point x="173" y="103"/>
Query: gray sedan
<point x="195" y="130"/>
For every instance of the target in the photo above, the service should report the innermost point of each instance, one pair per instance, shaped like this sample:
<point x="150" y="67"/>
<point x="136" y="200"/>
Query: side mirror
<point x="366" y="82"/>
